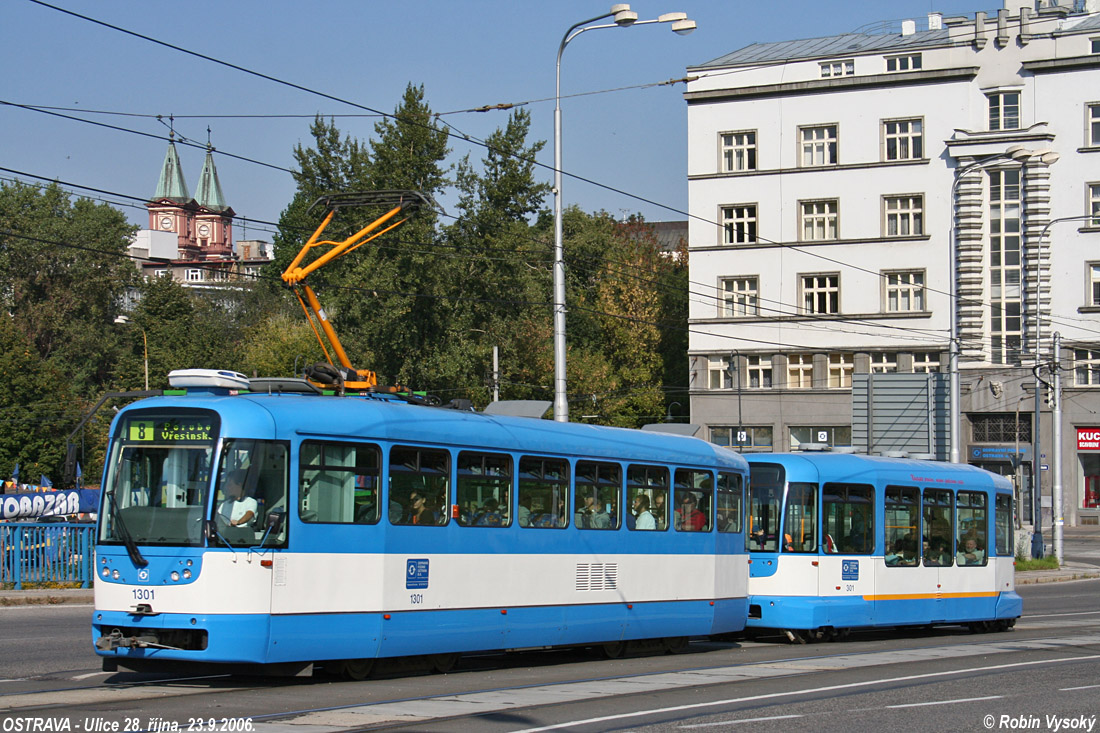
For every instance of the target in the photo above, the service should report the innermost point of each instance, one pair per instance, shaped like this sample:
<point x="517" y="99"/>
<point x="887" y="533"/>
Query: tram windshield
<point x="157" y="479"/>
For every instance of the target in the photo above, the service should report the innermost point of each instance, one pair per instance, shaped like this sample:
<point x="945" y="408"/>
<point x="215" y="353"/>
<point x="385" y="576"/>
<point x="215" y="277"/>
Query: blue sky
<point x="466" y="54"/>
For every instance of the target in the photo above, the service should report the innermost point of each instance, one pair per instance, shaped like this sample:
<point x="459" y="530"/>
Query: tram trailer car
<point x="271" y="532"/>
<point x="841" y="541"/>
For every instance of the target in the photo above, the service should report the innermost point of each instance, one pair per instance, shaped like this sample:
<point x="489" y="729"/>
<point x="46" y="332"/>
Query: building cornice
<point x="800" y="245"/>
<point x="862" y="317"/>
<point x="827" y="86"/>
<point x="809" y="169"/>
<point x="1053" y="66"/>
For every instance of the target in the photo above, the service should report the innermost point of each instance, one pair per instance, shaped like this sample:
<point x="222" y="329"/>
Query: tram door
<point x="938" y="542"/>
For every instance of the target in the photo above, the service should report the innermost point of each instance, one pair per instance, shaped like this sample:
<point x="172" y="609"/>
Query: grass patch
<point x="1050" y="562"/>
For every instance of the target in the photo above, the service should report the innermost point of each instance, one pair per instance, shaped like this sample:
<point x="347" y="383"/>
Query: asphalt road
<point x="947" y="679"/>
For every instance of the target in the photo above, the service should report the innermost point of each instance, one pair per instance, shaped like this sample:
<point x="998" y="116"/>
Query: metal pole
<point x="496" y="374"/>
<point x="145" y="348"/>
<point x="1056" y="449"/>
<point x="1037" y="548"/>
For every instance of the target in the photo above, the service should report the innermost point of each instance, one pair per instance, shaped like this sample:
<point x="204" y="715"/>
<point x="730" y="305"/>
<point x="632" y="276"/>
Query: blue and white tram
<point x="366" y="527"/>
<point x="840" y="541"/>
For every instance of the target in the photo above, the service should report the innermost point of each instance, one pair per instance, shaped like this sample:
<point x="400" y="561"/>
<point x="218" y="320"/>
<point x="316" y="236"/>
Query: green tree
<point x="65" y="275"/>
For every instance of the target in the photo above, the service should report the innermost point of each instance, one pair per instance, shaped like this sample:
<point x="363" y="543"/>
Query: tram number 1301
<point x="143" y="594"/>
<point x="416" y="598"/>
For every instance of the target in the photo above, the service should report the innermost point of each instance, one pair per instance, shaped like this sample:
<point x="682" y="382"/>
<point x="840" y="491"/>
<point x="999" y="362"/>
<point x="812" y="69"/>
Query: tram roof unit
<point x="379" y="417"/>
<point x="907" y="471"/>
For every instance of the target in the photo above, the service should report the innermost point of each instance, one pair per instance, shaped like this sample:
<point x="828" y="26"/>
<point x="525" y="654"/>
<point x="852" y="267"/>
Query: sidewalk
<point x="1069" y="571"/>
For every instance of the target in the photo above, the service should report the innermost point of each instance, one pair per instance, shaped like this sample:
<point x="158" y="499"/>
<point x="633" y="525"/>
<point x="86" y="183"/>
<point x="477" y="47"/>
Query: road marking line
<point x="1084" y="687"/>
<point x="944" y="702"/>
<point x="90" y="674"/>
<point x="1052" y="615"/>
<point x="738" y="722"/>
<point x="776" y="695"/>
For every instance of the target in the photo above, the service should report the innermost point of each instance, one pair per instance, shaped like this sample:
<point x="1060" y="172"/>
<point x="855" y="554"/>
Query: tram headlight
<point x="175" y="575"/>
<point x="106" y="571"/>
<point x="186" y="574"/>
<point x="115" y="574"/>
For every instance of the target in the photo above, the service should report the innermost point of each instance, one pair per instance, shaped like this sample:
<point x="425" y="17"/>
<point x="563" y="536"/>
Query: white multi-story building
<point x="843" y="189"/>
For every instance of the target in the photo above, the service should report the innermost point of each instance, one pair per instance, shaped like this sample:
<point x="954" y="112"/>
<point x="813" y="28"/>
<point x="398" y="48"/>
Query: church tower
<point x="213" y="220"/>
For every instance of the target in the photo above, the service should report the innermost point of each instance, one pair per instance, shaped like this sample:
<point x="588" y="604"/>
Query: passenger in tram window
<point x="969" y="554"/>
<point x="524" y="512"/>
<point x="937" y="553"/>
<point x="643" y="519"/>
<point x="489" y="515"/>
<point x="419" y="512"/>
<point x="688" y="517"/>
<point x="659" y="512"/>
<point x="591" y="514"/>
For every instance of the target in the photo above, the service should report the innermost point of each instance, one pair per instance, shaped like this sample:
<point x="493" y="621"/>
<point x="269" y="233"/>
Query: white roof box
<point x="209" y="378"/>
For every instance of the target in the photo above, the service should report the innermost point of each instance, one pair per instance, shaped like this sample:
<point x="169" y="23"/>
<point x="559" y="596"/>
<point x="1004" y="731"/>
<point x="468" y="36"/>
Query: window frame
<point x="810" y="212"/>
<point x="740" y="224"/>
<point x="322" y="467"/>
<point x="745" y="150"/>
<point x="828" y="69"/>
<point x="645" y="478"/>
<point x="559" y="487"/>
<point x="825" y="148"/>
<point x="801" y="364"/>
<point x="819" y="289"/>
<point x="610" y="486"/>
<point x="462" y="480"/>
<point x="686" y="485"/>
<point x="912" y="62"/>
<point x="1000" y="118"/>
<point x="912" y="141"/>
<point x="740" y="302"/>
<point x="865" y="530"/>
<point x="1092" y="124"/>
<point x="419" y="470"/>
<point x="893" y="286"/>
<point x="898" y="497"/>
<point x="841" y="367"/>
<point x="905" y="211"/>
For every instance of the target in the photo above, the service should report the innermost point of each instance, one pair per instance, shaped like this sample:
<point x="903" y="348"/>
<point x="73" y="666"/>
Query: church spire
<point x="209" y="194"/>
<point x="171" y="184"/>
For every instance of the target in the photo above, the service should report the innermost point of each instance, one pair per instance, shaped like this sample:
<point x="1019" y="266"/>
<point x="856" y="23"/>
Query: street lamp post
<point x="144" y="346"/>
<point x="623" y="18"/>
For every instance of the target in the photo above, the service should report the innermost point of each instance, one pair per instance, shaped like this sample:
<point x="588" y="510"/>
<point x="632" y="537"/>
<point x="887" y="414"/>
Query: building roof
<point x="828" y="47"/>
<point x="171" y="184"/>
<point x="209" y="193"/>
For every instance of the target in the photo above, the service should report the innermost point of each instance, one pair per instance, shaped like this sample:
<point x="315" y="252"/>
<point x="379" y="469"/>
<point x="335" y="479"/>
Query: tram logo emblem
<point x="416" y="573"/>
<point x="849" y="569"/>
<point x="143" y="574"/>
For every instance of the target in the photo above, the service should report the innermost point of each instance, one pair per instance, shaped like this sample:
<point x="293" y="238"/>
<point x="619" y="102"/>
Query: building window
<point x="1086" y="367"/>
<point x="1094" y="284"/>
<point x="904" y="291"/>
<point x="1004" y="111"/>
<point x="800" y="371"/>
<point x="1001" y="427"/>
<point x="741" y="437"/>
<point x="1094" y="125"/>
<point x="926" y="362"/>
<point x="904" y="216"/>
<point x="909" y="62"/>
<point x="719" y="373"/>
<point x="821" y="294"/>
<point x="829" y="69"/>
<point x="194" y="276"/>
<point x="738" y="151"/>
<point x="819" y="220"/>
<point x="904" y="139"/>
<point x="834" y="436"/>
<point x="1095" y="44"/>
<point x="1094" y="204"/>
<point x="884" y="362"/>
<point x="739" y="224"/>
<point x="739" y="297"/>
<point x="160" y="273"/>
<point x="759" y="372"/>
<point x="819" y="145"/>
<point x="841" y="367"/>
<point x="1005" y="295"/>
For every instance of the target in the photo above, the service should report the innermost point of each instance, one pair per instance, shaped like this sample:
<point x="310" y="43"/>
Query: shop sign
<point x="1088" y="439"/>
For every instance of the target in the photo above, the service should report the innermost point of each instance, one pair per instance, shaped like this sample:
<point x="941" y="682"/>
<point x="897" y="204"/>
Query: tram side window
<point x="484" y="487"/>
<point x="728" y="508"/>
<point x="848" y="516"/>
<point x="1003" y="521"/>
<point x="544" y="491"/>
<point x="647" y="490"/>
<point x="939" y="527"/>
<point x="973" y="528"/>
<point x="339" y="482"/>
<point x="902" y="526"/>
<point x="419" y="486"/>
<point x="258" y="473"/>
<point x="765" y="493"/>
<point x="694" y="500"/>
<point x="599" y="486"/>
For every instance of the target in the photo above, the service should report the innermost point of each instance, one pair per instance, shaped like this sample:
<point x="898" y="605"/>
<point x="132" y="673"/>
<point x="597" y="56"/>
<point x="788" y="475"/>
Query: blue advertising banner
<point x="49" y="503"/>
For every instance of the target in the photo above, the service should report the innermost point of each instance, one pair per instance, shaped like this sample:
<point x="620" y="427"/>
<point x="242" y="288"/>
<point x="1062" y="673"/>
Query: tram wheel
<point x="358" y="669"/>
<point x="795" y="636"/>
<point x="675" y="644"/>
<point x="840" y="634"/>
<point x="444" y="663"/>
<point x="613" y="649"/>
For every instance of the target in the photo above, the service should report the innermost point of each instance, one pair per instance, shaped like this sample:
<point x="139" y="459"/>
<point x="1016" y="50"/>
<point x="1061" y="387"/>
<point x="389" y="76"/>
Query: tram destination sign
<point x="162" y="430"/>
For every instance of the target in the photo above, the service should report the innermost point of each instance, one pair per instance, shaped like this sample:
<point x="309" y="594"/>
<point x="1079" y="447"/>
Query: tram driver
<point x="237" y="510"/>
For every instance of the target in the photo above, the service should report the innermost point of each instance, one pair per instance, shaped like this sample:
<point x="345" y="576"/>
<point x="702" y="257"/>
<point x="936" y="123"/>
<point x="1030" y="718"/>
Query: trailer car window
<point x="339" y="482"/>
<point x="484" y="489"/>
<point x="598" y="488"/>
<point x="729" y="498"/>
<point x="973" y="528"/>
<point x="847" y="513"/>
<point x="939" y="528"/>
<point x="647" y="490"/>
<point x="902" y="527"/>
<point x="694" y="500"/>
<point x="419" y="486"/>
<point x="544" y="491"/>
<point x="1003" y="520"/>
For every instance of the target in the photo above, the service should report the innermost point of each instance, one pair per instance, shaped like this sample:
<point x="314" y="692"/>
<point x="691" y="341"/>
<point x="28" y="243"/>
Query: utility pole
<point x="1056" y="449"/>
<point x="496" y="374"/>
